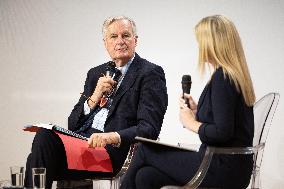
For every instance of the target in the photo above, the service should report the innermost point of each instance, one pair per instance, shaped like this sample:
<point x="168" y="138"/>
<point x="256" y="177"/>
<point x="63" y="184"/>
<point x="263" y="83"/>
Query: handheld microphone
<point x="186" y="85"/>
<point x="115" y="74"/>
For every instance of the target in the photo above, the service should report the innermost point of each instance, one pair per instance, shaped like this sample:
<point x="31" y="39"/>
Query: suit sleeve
<point x="77" y="116"/>
<point x="224" y="98"/>
<point x="153" y="101"/>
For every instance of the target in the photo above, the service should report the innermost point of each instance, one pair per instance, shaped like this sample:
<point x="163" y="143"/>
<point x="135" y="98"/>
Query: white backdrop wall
<point x="47" y="47"/>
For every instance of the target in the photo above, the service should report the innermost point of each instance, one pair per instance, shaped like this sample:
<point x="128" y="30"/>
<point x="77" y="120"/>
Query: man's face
<point x="120" y="41"/>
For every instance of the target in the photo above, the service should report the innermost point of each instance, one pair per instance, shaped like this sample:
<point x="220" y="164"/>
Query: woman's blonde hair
<point x="220" y="45"/>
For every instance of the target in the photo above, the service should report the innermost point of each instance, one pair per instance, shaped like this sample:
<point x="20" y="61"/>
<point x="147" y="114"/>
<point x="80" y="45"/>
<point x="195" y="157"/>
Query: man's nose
<point x="119" y="40"/>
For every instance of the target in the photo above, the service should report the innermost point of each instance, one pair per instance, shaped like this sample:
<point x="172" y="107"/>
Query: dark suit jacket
<point x="137" y="109"/>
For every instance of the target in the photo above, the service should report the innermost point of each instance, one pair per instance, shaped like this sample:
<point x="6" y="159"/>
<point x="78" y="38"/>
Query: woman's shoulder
<point x="222" y="80"/>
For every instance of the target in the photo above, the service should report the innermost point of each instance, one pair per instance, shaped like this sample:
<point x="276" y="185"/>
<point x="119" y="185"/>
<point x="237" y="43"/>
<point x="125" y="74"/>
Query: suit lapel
<point x="127" y="82"/>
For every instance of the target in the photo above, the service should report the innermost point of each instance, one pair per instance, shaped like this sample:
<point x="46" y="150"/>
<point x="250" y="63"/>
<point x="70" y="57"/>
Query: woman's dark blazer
<point x="226" y="122"/>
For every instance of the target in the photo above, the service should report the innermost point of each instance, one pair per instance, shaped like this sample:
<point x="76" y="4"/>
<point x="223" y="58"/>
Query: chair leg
<point x="111" y="184"/>
<point x="255" y="180"/>
<point x="101" y="184"/>
<point x="115" y="183"/>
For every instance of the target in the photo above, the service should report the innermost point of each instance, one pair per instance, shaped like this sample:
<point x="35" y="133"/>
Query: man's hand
<point x="104" y="85"/>
<point x="102" y="139"/>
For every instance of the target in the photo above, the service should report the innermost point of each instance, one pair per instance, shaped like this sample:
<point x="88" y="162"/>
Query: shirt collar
<point x="124" y="68"/>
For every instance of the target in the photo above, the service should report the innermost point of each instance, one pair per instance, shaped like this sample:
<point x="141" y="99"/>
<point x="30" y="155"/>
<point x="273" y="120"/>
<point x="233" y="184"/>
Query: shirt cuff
<point x="87" y="109"/>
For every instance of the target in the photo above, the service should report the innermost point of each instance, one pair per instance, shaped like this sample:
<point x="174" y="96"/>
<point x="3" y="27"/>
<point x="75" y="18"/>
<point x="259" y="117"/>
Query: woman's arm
<point x="222" y="101"/>
<point x="187" y="115"/>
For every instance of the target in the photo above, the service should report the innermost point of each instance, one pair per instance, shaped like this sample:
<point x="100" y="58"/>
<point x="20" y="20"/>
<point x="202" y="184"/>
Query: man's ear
<point x="136" y="40"/>
<point x="105" y="43"/>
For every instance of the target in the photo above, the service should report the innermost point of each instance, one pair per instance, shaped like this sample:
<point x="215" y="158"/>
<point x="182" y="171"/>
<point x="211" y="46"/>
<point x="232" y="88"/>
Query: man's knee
<point x="45" y="138"/>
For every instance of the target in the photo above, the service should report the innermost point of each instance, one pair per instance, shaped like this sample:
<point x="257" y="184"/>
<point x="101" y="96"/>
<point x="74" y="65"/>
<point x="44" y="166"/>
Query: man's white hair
<point x="112" y="19"/>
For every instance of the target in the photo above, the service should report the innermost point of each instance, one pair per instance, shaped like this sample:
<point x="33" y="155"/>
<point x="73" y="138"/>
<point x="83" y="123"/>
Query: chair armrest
<point x="127" y="160"/>
<point x="236" y="150"/>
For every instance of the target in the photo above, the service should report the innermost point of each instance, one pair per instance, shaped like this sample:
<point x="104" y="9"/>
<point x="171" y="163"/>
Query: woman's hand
<point x="187" y="115"/>
<point x="192" y="103"/>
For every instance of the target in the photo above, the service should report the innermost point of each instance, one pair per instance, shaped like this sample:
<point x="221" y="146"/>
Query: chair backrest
<point x="264" y="110"/>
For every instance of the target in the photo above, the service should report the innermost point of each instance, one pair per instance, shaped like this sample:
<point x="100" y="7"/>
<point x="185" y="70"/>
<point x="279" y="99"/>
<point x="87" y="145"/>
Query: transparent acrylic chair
<point x="116" y="180"/>
<point x="264" y="110"/>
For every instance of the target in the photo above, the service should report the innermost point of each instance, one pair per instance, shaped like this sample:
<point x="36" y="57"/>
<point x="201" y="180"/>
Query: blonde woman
<point x="222" y="117"/>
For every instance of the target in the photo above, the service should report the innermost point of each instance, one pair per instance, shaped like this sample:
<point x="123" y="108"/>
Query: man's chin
<point x="122" y="57"/>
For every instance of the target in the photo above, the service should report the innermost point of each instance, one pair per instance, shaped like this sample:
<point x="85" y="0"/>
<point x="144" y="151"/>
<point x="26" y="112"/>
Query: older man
<point x="136" y="107"/>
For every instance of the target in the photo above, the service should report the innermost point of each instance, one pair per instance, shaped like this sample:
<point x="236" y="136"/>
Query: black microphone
<point x="186" y="85"/>
<point x="115" y="74"/>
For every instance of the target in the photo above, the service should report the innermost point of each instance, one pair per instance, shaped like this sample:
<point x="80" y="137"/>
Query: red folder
<point x="81" y="157"/>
